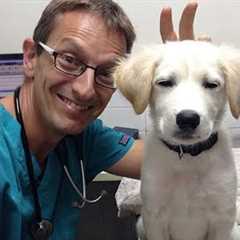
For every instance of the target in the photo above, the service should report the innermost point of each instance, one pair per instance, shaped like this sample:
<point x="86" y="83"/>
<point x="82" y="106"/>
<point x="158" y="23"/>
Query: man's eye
<point x="69" y="59"/>
<point x="105" y="72"/>
<point x="104" y="77"/>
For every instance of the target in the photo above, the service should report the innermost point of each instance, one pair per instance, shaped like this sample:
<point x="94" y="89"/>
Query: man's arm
<point x="130" y="164"/>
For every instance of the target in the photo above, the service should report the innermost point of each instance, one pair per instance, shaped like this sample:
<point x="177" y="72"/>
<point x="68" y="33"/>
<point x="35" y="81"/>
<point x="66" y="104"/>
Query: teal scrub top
<point x="101" y="148"/>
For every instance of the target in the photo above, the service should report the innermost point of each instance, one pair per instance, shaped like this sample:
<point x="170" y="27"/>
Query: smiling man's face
<point x="65" y="103"/>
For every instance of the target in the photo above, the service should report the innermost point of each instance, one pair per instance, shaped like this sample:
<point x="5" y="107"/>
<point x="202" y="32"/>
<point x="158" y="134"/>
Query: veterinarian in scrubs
<point x="50" y="123"/>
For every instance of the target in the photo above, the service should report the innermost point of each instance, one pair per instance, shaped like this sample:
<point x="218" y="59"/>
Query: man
<point x="50" y="122"/>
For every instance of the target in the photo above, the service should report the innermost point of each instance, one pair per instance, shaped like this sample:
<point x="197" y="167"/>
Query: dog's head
<point x="186" y="85"/>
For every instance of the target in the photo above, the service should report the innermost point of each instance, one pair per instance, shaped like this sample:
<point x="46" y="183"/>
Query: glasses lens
<point x="69" y="64"/>
<point x="104" y="78"/>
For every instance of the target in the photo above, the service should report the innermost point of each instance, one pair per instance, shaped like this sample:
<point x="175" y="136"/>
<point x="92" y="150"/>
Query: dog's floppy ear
<point x="133" y="76"/>
<point x="230" y="59"/>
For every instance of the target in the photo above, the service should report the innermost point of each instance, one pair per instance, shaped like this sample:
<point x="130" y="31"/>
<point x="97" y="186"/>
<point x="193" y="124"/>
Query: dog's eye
<point x="166" y="83"/>
<point x="210" y="85"/>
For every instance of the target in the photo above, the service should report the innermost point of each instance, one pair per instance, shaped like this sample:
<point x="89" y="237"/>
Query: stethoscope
<point x="41" y="229"/>
<point x="62" y="151"/>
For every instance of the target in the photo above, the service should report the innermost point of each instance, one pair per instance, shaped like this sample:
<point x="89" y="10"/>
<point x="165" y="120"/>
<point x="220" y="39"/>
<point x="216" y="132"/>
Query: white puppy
<point x="188" y="175"/>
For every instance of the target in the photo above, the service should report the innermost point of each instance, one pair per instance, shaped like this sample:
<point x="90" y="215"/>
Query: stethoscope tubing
<point x="77" y="190"/>
<point x="62" y="153"/>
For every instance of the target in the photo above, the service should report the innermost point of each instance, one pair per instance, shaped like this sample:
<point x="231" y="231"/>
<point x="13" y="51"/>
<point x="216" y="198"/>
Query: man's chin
<point x="72" y="127"/>
<point x="76" y="125"/>
<point x="77" y="128"/>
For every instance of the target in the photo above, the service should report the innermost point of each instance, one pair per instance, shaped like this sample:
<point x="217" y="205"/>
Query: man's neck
<point x="40" y="139"/>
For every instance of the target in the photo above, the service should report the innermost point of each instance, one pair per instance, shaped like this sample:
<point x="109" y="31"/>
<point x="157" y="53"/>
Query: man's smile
<point x="73" y="105"/>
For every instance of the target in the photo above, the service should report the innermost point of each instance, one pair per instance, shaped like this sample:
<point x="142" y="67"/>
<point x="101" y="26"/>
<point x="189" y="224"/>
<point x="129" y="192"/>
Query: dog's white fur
<point x="192" y="198"/>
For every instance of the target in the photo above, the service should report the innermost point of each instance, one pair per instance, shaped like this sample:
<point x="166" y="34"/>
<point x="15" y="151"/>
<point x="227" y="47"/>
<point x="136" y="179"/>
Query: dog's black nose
<point x="187" y="120"/>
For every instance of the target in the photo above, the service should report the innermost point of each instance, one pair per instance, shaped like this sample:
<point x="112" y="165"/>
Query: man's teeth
<point x="74" y="105"/>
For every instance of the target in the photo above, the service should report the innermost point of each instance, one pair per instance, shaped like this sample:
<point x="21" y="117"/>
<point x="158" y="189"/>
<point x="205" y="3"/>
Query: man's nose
<point x="84" y="85"/>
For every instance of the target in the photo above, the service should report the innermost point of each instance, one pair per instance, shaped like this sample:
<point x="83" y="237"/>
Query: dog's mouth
<point x="186" y="135"/>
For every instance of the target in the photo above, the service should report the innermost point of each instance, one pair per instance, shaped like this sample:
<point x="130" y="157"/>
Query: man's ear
<point x="133" y="77"/>
<point x="29" y="57"/>
<point x="230" y="58"/>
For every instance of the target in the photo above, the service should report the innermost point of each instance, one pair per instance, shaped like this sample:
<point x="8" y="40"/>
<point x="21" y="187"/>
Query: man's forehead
<point x="87" y="27"/>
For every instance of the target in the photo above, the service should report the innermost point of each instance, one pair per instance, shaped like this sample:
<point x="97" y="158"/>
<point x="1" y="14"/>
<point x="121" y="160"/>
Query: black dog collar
<point x="193" y="149"/>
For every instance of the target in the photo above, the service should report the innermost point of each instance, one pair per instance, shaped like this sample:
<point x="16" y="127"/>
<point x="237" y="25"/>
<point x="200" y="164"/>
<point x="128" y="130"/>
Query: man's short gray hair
<point x="112" y="14"/>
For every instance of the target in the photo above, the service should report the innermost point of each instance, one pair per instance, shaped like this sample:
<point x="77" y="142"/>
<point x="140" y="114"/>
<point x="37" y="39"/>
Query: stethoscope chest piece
<point x="42" y="230"/>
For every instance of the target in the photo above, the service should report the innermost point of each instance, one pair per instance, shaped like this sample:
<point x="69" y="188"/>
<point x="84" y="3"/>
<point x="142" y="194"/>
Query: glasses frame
<point x="52" y="52"/>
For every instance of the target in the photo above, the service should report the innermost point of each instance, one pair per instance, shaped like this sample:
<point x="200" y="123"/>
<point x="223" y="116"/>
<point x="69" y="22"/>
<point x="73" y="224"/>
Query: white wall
<point x="218" y="19"/>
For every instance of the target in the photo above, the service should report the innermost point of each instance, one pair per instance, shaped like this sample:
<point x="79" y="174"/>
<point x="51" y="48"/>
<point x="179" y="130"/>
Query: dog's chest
<point x="186" y="203"/>
<point x="186" y="196"/>
<point x="182" y="204"/>
<point x="189" y="202"/>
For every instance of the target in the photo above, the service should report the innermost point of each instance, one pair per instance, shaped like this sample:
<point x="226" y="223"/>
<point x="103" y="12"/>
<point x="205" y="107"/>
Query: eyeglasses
<point x="69" y="64"/>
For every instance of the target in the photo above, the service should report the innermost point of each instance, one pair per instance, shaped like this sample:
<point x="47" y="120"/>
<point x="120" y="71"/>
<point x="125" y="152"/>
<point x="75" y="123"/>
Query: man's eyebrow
<point x="109" y="64"/>
<point x="71" y="46"/>
<point x="68" y="44"/>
